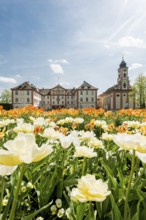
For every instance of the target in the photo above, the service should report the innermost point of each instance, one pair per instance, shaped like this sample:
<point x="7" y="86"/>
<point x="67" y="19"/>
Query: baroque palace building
<point x="120" y="95"/>
<point x="85" y="96"/>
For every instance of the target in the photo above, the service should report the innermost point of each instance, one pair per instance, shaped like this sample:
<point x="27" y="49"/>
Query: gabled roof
<point x="25" y="85"/>
<point x="86" y="85"/>
<point x="111" y="89"/>
<point x="58" y="86"/>
<point x="70" y="91"/>
<point x="45" y="91"/>
<point x="115" y="87"/>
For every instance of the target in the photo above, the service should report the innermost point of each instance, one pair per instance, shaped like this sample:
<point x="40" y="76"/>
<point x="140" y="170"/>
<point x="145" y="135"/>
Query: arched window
<point x="124" y="85"/>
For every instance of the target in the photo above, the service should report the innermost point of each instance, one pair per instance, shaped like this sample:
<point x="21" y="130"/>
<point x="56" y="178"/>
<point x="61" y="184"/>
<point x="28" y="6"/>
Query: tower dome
<point x="123" y="64"/>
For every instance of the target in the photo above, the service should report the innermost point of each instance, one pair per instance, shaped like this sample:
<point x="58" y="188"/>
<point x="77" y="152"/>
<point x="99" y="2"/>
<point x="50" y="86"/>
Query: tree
<point x="140" y="91"/>
<point x="6" y="96"/>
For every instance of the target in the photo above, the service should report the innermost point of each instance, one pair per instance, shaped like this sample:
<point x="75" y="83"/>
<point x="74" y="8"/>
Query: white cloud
<point x="56" y="68"/>
<point x="64" y="61"/>
<point x="125" y="25"/>
<point x="7" y="80"/>
<point x="125" y="2"/>
<point x="135" y="66"/>
<point x="65" y="83"/>
<point x="18" y="76"/>
<point x="107" y="46"/>
<point x="130" y="41"/>
<point x="58" y="61"/>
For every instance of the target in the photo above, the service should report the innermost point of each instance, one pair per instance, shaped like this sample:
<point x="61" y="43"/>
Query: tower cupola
<point x="123" y="64"/>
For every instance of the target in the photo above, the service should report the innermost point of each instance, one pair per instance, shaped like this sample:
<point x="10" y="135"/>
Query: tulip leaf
<point x="110" y="174"/>
<point x="80" y="210"/>
<point x="115" y="210"/>
<point x="71" y="180"/>
<point x="29" y="217"/>
<point x="137" y="214"/>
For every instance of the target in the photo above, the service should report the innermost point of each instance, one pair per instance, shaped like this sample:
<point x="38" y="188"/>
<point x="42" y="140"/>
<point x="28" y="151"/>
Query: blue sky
<point x="42" y="41"/>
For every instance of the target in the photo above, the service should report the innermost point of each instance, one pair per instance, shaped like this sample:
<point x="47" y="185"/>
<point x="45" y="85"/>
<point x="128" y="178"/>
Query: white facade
<point x="86" y="96"/>
<point x="58" y="97"/>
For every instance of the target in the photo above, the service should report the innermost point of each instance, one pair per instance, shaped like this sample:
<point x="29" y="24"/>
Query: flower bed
<point x="72" y="164"/>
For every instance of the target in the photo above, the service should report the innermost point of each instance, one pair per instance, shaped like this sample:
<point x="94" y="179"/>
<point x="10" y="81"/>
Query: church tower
<point x="118" y="96"/>
<point x="123" y="78"/>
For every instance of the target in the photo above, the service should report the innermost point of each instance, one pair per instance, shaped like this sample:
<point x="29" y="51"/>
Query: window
<point x="124" y="85"/>
<point x="22" y="100"/>
<point x="86" y="99"/>
<point x="22" y="92"/>
<point x="48" y="96"/>
<point x="62" y="102"/>
<point x="67" y="102"/>
<point x="28" y="100"/>
<point x="92" y="92"/>
<point x="16" y="92"/>
<point x="81" y="92"/>
<point x="58" y="98"/>
<point x="86" y="92"/>
<point x="81" y="99"/>
<point x="92" y="99"/>
<point x="124" y="94"/>
<point x="124" y="74"/>
<point x="71" y="102"/>
<point x="118" y="95"/>
<point x="27" y="92"/>
<point x="16" y="99"/>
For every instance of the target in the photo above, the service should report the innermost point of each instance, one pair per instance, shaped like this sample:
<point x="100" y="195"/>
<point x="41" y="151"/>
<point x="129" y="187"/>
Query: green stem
<point x="2" y="191"/>
<point x="91" y="211"/>
<point x="16" y="192"/>
<point x="139" y="177"/>
<point x="62" y="173"/>
<point x="84" y="166"/>
<point x="129" y="186"/>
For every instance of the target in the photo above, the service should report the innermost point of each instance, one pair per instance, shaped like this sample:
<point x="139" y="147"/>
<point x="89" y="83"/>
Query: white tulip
<point x="7" y="170"/>
<point x="65" y="140"/>
<point x="24" y="128"/>
<point x="84" y="151"/>
<point x="135" y="142"/>
<point x="90" y="189"/>
<point x="23" y="149"/>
